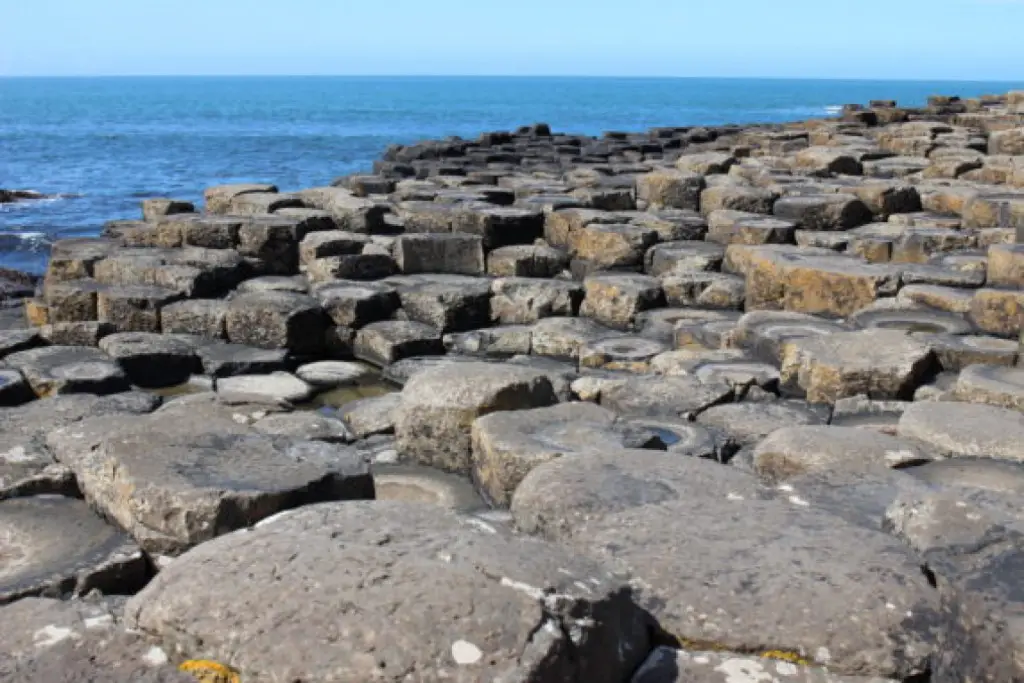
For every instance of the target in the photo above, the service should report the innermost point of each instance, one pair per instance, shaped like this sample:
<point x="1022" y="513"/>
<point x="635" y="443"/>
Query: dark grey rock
<point x="72" y="300"/>
<point x="823" y="211"/>
<point x="26" y="466"/>
<point x="210" y="231"/>
<point x="531" y="260"/>
<point x="152" y="360"/>
<point x="14" y="389"/>
<point x="680" y="257"/>
<point x="133" y="308"/>
<point x="449" y="303"/>
<point x="502" y="226"/>
<point x="440" y="253"/>
<point x="57" y="370"/>
<point x="76" y="334"/>
<point x="386" y="342"/>
<point x="974" y="563"/>
<point x="356" y="304"/>
<point x="277" y="320"/>
<point x="274" y="241"/>
<point x="669" y="665"/>
<point x="227" y="360"/>
<point x="486" y="616"/>
<point x="503" y="341"/>
<point x="778" y="553"/>
<point x="363" y="267"/>
<point x="56" y="546"/>
<point x="745" y="424"/>
<point x="202" y="317"/>
<point x="671" y="397"/>
<point x="560" y="495"/>
<point x="12" y="341"/>
<point x="507" y="445"/>
<point x="192" y="471"/>
<point x="79" y="641"/>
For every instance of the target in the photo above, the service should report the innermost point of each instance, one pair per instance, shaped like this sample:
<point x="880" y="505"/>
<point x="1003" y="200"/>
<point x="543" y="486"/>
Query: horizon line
<point x="513" y="76"/>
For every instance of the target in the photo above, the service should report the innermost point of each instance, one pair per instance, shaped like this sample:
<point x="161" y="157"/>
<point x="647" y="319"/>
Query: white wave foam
<point x="24" y="240"/>
<point x="834" y="109"/>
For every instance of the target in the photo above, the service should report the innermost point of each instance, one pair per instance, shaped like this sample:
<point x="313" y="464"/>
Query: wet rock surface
<point x="710" y="404"/>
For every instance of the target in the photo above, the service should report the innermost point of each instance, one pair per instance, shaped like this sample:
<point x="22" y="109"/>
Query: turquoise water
<point x="106" y="142"/>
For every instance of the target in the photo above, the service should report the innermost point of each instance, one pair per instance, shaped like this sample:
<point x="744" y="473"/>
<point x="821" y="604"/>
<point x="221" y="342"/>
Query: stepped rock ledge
<point x="714" y="404"/>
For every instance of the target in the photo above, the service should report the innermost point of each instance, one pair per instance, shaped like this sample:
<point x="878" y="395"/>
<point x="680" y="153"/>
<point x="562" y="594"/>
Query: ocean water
<point x="104" y="143"/>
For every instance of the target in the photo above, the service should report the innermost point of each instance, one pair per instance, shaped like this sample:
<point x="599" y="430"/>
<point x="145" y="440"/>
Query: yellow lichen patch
<point x="206" y="671"/>
<point x="783" y="656"/>
<point x="693" y="645"/>
<point x="701" y="645"/>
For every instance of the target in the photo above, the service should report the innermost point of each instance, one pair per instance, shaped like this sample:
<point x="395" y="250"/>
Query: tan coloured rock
<point x="999" y="311"/>
<point x="822" y="285"/>
<point x="876" y="362"/>
<point x="438" y="407"/>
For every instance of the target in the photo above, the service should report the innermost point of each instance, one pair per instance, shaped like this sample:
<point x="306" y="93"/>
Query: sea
<point x="100" y="145"/>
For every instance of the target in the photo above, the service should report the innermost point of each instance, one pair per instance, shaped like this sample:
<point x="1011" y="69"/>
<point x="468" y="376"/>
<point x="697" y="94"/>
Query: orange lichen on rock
<point x="206" y="671"/>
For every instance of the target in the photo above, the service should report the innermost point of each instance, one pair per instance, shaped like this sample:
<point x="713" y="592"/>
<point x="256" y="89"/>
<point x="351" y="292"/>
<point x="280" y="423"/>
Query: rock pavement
<point x="706" y="404"/>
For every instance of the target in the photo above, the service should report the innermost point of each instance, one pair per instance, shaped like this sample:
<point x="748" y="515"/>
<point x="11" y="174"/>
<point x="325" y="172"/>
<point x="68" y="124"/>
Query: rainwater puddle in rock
<point x="196" y="385"/>
<point x="909" y="326"/>
<point x="667" y="436"/>
<point x="339" y="396"/>
<point x="393" y="481"/>
<point x="883" y="422"/>
<point x="327" y="401"/>
<point x="421" y="484"/>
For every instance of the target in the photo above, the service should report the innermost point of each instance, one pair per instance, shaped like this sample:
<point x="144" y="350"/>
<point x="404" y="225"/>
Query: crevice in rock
<point x="924" y="677"/>
<point x="910" y="464"/>
<point x="930" y="575"/>
<point x="661" y="638"/>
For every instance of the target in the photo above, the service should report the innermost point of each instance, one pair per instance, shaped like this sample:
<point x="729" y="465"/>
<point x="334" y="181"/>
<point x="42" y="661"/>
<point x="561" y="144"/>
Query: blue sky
<point x="915" y="39"/>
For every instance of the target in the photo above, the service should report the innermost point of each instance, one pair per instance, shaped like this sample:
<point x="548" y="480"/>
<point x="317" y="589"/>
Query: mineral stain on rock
<point x="206" y="671"/>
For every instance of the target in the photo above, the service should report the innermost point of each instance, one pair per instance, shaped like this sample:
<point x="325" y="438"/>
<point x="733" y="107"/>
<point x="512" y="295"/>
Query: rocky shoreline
<point x="703" y="405"/>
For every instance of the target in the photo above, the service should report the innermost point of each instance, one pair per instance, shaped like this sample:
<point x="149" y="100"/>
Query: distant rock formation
<point x="15" y="285"/>
<point x="10" y="196"/>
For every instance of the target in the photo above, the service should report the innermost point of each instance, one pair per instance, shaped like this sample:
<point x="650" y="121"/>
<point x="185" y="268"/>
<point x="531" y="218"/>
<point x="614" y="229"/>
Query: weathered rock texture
<point x="759" y="388"/>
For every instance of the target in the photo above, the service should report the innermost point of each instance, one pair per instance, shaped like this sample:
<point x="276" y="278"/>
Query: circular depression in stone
<point x="935" y="322"/>
<point x="739" y="374"/>
<point x="629" y="349"/>
<point x="682" y="437"/>
<point x="421" y="484"/>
